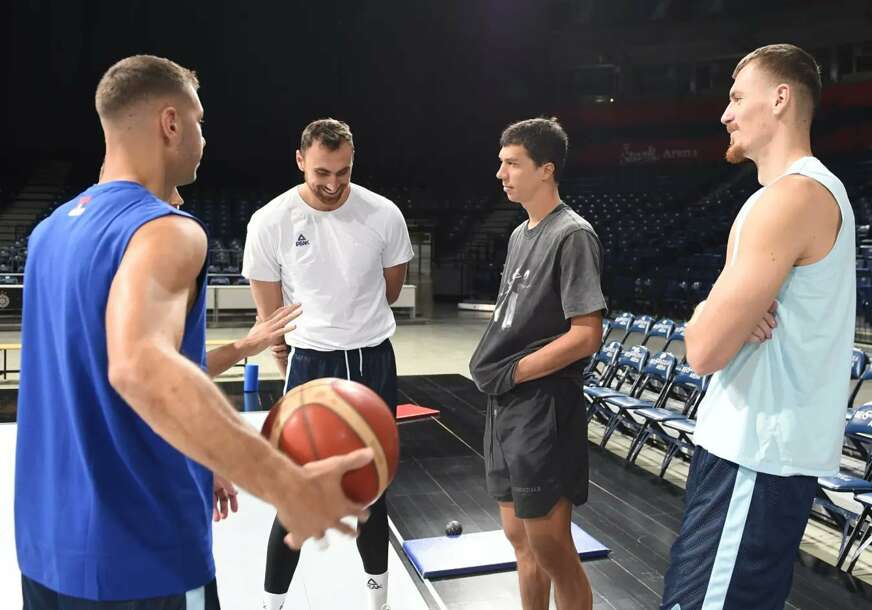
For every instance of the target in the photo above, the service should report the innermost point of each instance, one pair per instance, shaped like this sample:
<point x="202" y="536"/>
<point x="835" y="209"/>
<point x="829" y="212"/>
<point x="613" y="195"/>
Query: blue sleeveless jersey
<point x="104" y="508"/>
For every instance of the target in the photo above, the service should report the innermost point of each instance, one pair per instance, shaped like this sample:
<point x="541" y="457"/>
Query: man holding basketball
<point x="341" y="251"/>
<point x="118" y="423"/>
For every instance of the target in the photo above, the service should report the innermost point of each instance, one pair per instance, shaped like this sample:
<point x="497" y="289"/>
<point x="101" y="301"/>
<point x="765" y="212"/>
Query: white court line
<point x="429" y="585"/>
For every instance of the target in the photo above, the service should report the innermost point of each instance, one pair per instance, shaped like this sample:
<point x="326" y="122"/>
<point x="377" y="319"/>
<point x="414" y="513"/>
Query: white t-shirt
<point x="332" y="263"/>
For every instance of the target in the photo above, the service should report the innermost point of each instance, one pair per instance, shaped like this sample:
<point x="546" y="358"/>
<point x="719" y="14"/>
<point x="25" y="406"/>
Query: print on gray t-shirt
<point x="552" y="273"/>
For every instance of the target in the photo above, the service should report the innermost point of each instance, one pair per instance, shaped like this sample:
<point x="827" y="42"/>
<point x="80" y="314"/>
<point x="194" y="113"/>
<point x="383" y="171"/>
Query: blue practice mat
<point x="480" y="552"/>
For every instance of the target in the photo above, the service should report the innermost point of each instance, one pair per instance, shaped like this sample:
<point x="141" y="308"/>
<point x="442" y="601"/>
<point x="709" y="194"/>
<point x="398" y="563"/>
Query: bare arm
<point x="394" y="278"/>
<point x="261" y="336"/>
<point x="223" y="357"/>
<point x="795" y="222"/>
<point x="145" y="315"/>
<point x="267" y="299"/>
<point x="582" y="340"/>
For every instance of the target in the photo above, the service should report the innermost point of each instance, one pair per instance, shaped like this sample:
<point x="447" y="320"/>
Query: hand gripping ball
<point x="328" y="417"/>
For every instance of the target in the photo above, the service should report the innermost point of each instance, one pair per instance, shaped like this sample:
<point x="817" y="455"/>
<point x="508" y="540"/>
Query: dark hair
<point x="544" y="139"/>
<point x="138" y="78"/>
<point x="329" y="132"/>
<point x="790" y="63"/>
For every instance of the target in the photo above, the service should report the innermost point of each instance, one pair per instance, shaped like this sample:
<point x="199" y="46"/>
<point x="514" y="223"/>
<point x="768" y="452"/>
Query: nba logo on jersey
<point x="302" y="241"/>
<point x="80" y="207"/>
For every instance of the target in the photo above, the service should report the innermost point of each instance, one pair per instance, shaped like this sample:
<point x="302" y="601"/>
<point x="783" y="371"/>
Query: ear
<point x="169" y="123"/>
<point x="547" y="170"/>
<point x="782" y="97"/>
<point x="300" y="165"/>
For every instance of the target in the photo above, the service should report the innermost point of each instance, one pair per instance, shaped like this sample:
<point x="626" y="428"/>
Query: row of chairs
<point x="666" y="416"/>
<point x="647" y="357"/>
<point x="639" y="384"/>
<point x="845" y="499"/>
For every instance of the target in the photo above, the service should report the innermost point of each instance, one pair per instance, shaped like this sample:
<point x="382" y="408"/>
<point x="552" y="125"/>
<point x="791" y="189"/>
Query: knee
<point x="517" y="537"/>
<point x="553" y="555"/>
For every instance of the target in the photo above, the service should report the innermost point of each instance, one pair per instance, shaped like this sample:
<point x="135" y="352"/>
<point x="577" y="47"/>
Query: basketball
<point x="328" y="417"/>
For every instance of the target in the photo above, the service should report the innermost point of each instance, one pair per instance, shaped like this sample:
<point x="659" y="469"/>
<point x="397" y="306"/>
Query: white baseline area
<point x="329" y="579"/>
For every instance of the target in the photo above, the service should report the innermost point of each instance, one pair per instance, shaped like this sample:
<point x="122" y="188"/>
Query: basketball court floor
<point x="441" y="478"/>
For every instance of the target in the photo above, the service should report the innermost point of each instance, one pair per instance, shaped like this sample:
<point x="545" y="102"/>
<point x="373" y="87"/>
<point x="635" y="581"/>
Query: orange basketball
<point x="327" y="417"/>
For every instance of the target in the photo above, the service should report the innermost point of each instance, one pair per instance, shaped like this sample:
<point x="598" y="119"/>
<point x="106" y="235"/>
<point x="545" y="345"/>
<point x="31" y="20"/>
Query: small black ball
<point x="453" y="529"/>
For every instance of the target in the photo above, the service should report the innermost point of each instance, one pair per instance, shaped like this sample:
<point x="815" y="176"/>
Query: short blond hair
<point x="789" y="63"/>
<point x="137" y="78"/>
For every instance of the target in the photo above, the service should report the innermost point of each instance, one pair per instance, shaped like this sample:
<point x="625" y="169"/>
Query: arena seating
<point x="652" y="399"/>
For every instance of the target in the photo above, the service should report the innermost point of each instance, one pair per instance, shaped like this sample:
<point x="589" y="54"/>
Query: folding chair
<point x="836" y="495"/>
<point x="858" y="432"/>
<point x="654" y="377"/>
<point x="677" y="432"/>
<point x="619" y="327"/>
<point x="607" y="327"/>
<point x="859" y="373"/>
<point x="601" y="369"/>
<point x="861" y="533"/>
<point x="676" y="344"/>
<point x="629" y="360"/>
<point x="660" y="335"/>
<point x="836" y="498"/>
<point x="637" y="333"/>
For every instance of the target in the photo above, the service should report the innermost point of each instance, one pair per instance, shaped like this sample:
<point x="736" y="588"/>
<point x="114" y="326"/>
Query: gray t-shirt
<point x="552" y="273"/>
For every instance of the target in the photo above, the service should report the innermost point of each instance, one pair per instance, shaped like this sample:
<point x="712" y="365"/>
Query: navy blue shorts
<point x="38" y="597"/>
<point x="739" y="537"/>
<point x="374" y="367"/>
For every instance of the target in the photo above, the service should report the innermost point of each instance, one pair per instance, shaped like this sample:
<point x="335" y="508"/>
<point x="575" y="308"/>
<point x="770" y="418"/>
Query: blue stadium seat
<point x="677" y="432"/>
<point x="858" y="432"/>
<point x="620" y="327"/>
<point x="836" y="498"/>
<point x="660" y="335"/>
<point x="630" y="367"/>
<point x="637" y="333"/>
<point x="676" y="342"/>
<point x="612" y="378"/>
<point x="607" y="326"/>
<point x="860" y="372"/>
<point x="601" y="370"/>
<point x="860" y="533"/>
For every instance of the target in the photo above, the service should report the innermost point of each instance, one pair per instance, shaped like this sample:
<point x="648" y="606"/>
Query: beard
<point x="735" y="154"/>
<point x="329" y="199"/>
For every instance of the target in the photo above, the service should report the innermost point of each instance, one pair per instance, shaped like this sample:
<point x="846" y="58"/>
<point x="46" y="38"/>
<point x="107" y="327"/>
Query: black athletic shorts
<point x="535" y="444"/>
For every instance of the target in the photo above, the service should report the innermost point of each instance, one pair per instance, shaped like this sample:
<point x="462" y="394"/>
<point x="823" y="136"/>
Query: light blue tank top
<point x="779" y="407"/>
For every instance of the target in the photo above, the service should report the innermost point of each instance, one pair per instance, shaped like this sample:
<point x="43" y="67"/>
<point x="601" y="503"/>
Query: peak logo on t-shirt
<point x="80" y="207"/>
<point x="302" y="241"/>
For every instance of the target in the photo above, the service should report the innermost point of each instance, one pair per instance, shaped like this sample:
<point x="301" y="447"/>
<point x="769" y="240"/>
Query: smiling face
<point x="520" y="176"/>
<point x="326" y="172"/>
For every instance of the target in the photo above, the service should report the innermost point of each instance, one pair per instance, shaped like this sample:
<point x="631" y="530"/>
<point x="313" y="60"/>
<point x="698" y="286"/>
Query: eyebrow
<point x="508" y="159"/>
<point x="327" y="171"/>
